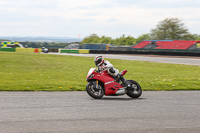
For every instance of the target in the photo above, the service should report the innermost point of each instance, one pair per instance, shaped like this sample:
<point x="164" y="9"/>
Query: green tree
<point x="92" y="39"/>
<point x="190" y="37"/>
<point x="198" y="38"/>
<point x="170" y="29"/>
<point x="143" y="38"/>
<point x="106" y="40"/>
<point x="124" y="41"/>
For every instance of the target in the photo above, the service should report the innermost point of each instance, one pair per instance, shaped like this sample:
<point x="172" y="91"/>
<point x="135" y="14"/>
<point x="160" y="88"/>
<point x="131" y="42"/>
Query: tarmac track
<point x="150" y="58"/>
<point x="76" y="112"/>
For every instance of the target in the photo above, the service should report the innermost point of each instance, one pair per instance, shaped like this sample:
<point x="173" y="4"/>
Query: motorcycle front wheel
<point x="95" y="92"/>
<point x="135" y="91"/>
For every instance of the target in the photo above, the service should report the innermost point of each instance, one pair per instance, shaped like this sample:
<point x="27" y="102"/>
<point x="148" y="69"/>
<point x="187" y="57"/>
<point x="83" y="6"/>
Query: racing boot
<point x="124" y="81"/>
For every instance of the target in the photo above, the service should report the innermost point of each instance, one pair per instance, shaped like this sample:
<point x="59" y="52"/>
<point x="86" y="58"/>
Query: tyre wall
<point x="28" y="50"/>
<point x="144" y="52"/>
<point x="55" y="50"/>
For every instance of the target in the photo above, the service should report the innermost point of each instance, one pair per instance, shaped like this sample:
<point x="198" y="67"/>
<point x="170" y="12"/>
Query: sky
<point x="81" y="18"/>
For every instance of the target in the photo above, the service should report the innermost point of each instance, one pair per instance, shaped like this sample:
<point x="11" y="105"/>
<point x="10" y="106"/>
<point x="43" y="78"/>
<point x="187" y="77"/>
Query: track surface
<point x="161" y="59"/>
<point x="76" y="112"/>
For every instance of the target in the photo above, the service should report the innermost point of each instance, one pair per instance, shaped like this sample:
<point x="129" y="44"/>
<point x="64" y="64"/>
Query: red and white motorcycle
<point x="101" y="83"/>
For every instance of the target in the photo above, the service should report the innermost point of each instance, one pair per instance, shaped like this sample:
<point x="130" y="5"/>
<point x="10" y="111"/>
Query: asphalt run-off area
<point x="76" y="112"/>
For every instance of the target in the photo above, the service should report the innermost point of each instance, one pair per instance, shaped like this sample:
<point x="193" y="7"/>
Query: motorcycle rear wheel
<point x="135" y="91"/>
<point x="95" y="93"/>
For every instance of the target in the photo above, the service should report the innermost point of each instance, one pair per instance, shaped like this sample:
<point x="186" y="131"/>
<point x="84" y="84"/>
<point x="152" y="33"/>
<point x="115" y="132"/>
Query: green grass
<point x="44" y="72"/>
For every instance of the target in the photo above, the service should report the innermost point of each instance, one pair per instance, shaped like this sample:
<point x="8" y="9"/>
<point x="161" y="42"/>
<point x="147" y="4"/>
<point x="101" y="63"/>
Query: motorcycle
<point x="44" y="50"/>
<point x="102" y="83"/>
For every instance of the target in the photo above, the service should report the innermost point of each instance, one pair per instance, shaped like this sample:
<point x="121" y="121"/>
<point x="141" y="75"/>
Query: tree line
<point x="167" y="29"/>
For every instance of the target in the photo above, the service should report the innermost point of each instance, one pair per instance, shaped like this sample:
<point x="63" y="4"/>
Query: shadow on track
<point x="119" y="99"/>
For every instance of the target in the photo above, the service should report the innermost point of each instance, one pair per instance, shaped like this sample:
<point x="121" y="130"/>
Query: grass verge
<point x="44" y="72"/>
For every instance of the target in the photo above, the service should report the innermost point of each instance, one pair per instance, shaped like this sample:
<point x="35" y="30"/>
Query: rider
<point x="106" y="65"/>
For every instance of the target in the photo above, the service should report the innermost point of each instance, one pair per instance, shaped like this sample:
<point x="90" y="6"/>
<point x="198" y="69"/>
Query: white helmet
<point x="99" y="60"/>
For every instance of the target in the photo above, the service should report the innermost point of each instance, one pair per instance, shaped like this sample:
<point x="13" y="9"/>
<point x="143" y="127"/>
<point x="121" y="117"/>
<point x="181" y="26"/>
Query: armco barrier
<point x="145" y="52"/>
<point x="74" y="51"/>
<point x="84" y="51"/>
<point x="71" y="51"/>
<point x="53" y="50"/>
<point x="27" y="50"/>
<point x="7" y="49"/>
<point x="64" y="51"/>
<point x="118" y="48"/>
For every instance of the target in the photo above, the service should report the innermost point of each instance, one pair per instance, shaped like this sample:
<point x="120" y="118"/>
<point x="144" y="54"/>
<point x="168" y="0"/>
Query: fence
<point x="129" y="51"/>
<point x="7" y="49"/>
<point x="80" y="51"/>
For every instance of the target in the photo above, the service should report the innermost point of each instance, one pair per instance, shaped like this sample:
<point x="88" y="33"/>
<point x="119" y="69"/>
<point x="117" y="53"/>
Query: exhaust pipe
<point x="121" y="91"/>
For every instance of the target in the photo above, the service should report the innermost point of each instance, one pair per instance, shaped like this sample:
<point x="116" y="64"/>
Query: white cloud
<point x="105" y="17"/>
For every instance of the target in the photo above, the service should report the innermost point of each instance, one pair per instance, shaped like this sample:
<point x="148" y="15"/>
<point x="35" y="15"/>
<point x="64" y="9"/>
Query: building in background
<point x="95" y="46"/>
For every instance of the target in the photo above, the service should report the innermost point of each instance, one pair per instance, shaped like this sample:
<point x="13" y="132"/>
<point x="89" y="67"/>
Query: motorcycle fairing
<point x="111" y="87"/>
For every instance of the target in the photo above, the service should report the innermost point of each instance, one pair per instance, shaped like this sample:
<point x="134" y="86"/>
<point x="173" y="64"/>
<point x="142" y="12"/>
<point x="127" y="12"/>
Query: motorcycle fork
<point x="95" y="84"/>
